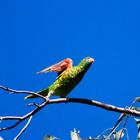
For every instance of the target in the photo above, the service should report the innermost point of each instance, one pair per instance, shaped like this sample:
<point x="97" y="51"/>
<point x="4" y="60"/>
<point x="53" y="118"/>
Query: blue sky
<point x="35" y="34"/>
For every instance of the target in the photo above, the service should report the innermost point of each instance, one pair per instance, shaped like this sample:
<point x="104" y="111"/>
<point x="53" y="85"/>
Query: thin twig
<point x="24" y="128"/>
<point x="122" y="115"/>
<point x="10" y="118"/>
<point x="12" y="126"/>
<point x="103" y="132"/>
<point x="116" y="125"/>
<point x="22" y="118"/>
<point x="123" y="128"/>
<point x="22" y="91"/>
<point x="127" y="136"/>
<point x="16" y="91"/>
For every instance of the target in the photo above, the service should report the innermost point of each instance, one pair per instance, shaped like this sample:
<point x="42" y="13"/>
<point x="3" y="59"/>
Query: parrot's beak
<point x="91" y="60"/>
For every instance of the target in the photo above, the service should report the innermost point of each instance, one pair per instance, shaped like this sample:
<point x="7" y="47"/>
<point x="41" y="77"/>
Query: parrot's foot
<point x="67" y="98"/>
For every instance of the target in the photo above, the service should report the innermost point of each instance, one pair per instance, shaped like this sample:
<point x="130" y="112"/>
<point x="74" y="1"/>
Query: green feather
<point x="67" y="81"/>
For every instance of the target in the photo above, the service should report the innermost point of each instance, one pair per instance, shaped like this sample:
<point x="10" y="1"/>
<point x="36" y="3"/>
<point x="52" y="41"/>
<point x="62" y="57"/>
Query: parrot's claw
<point x="67" y="98"/>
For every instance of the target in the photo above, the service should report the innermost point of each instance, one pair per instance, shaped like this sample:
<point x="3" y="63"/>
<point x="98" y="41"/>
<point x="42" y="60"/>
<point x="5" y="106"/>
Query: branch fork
<point x="46" y="101"/>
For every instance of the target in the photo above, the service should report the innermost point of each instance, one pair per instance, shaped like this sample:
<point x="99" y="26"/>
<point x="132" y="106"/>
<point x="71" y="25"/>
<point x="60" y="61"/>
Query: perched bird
<point x="68" y="77"/>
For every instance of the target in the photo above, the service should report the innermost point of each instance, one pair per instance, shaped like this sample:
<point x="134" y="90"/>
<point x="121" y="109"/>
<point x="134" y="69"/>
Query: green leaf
<point x="136" y="108"/>
<point x="137" y="99"/>
<point x="138" y="125"/>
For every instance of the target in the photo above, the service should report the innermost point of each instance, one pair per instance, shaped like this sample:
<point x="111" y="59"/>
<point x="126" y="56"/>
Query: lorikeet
<point x="68" y="77"/>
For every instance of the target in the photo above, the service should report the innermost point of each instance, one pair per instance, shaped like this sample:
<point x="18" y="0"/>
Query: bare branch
<point x="22" y="91"/>
<point x="96" y="103"/>
<point x="38" y="107"/>
<point x="24" y="128"/>
<point x="66" y="100"/>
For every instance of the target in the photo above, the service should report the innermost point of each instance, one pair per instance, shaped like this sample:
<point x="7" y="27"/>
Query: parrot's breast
<point x="63" y="85"/>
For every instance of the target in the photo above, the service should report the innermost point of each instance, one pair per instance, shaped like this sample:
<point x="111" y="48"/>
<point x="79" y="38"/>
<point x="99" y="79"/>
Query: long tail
<point x="43" y="92"/>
